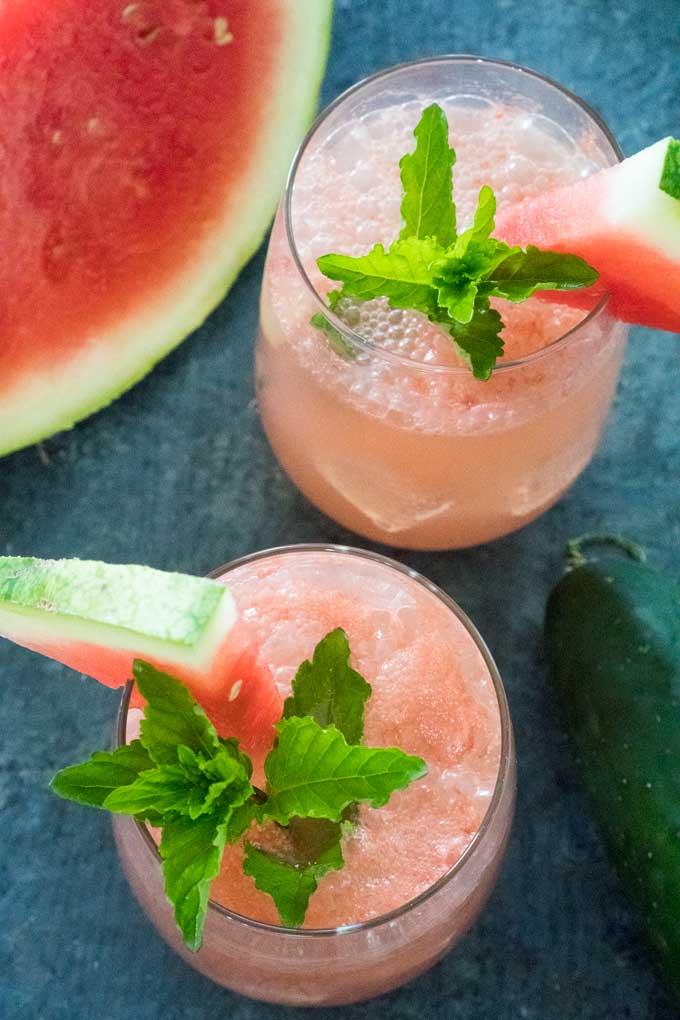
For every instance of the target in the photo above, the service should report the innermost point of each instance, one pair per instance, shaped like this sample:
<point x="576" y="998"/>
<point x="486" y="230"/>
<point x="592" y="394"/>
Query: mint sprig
<point x="327" y="690"/>
<point x="446" y="276"/>
<point x="181" y="777"/>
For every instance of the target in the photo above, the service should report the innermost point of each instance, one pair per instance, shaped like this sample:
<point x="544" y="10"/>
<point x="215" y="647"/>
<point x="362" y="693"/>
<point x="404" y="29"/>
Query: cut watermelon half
<point x="625" y="221"/>
<point x="98" y="617"/>
<point x="144" y="145"/>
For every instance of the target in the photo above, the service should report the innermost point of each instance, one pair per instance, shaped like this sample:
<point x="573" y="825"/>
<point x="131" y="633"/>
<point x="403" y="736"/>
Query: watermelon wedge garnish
<point x="624" y="221"/>
<point x="98" y="617"/>
<point x="144" y="146"/>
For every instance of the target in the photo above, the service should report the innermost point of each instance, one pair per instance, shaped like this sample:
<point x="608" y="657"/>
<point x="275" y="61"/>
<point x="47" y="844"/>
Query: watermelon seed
<point x="94" y="126"/>
<point x="147" y="35"/>
<point x="222" y="34"/>
<point x="129" y="11"/>
<point x="236" y="690"/>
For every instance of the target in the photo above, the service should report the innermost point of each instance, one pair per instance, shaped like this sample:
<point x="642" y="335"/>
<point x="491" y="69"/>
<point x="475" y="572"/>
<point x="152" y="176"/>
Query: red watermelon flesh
<point x="143" y="145"/>
<point x="237" y="693"/>
<point x="98" y="618"/>
<point x="623" y="223"/>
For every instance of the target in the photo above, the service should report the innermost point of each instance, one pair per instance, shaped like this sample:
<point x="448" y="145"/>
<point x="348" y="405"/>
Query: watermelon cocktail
<point x="313" y="775"/>
<point x="385" y="428"/>
<point x="418" y="871"/>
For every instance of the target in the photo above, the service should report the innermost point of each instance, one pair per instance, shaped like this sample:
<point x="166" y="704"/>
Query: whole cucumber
<point x="613" y="642"/>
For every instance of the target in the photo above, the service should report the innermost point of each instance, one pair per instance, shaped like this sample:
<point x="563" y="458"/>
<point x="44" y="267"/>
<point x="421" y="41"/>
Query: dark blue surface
<point x="178" y="474"/>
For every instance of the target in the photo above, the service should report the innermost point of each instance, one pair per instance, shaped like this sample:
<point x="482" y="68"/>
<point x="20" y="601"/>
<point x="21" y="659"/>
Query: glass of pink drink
<point x="417" y="871"/>
<point x="401" y="444"/>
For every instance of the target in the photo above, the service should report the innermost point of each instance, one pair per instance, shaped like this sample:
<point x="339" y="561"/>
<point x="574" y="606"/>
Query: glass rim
<point x="505" y="764"/>
<point x="350" y="334"/>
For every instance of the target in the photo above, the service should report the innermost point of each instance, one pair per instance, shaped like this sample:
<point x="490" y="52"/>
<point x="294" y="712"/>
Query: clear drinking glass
<point x="416" y="453"/>
<point x="329" y="966"/>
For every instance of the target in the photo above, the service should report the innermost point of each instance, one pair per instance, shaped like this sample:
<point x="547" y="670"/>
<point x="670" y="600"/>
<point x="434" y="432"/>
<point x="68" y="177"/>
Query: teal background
<point x="178" y="474"/>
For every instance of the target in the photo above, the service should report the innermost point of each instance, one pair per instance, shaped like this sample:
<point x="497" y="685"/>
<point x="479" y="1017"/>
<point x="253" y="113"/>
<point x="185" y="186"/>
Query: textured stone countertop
<point x="177" y="474"/>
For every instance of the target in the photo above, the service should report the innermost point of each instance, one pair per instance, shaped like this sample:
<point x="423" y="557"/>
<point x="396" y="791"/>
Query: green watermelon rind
<point x="34" y="410"/>
<point x="167" y="616"/>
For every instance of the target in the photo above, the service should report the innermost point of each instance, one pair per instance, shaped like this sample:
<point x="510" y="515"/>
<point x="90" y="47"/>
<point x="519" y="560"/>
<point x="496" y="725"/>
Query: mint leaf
<point x="289" y="885"/>
<point x="427" y="207"/>
<point x="192" y="854"/>
<point x="228" y="785"/>
<point x="670" y="172"/>
<point x="232" y="747"/>
<point x="522" y="273"/>
<point x="314" y="773"/>
<point x="309" y="838"/>
<point x="479" y="341"/>
<point x="193" y="788"/>
<point x="239" y="820"/>
<point x="93" y="781"/>
<point x="401" y="274"/>
<point x="172" y="717"/>
<point x="457" y="296"/>
<point x="336" y="341"/>
<point x="458" y="277"/>
<point x="329" y="690"/>
<point x="162" y="789"/>
<point x="484" y="219"/>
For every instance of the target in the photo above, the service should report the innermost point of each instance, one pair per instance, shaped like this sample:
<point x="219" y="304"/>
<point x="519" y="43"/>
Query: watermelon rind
<point x="638" y="204"/>
<point x="54" y="398"/>
<point x="155" y="614"/>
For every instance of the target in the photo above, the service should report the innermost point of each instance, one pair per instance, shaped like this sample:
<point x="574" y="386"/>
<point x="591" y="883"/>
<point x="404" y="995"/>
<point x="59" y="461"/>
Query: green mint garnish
<point x="172" y="717"/>
<point x="93" y="781"/>
<point x="329" y="690"/>
<point x="181" y="777"/>
<point x="290" y="885"/>
<point x="670" y="173"/>
<point x="192" y="854"/>
<point x="314" y="773"/>
<point x="402" y="274"/>
<point x="336" y="341"/>
<point x="446" y="276"/>
<point x="427" y="207"/>
<point x="194" y="786"/>
<point x="521" y="273"/>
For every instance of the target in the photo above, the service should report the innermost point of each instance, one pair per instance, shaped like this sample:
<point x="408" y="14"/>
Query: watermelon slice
<point x="98" y="617"/>
<point x="625" y="221"/>
<point x="143" y="147"/>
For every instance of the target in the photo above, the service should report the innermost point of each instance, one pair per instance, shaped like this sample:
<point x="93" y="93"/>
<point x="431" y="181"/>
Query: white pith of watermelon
<point x="144" y="148"/>
<point x="624" y="225"/>
<point x="98" y="617"/>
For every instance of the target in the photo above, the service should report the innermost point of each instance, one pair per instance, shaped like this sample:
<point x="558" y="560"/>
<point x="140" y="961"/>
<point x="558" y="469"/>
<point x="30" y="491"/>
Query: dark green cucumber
<point x="613" y="641"/>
